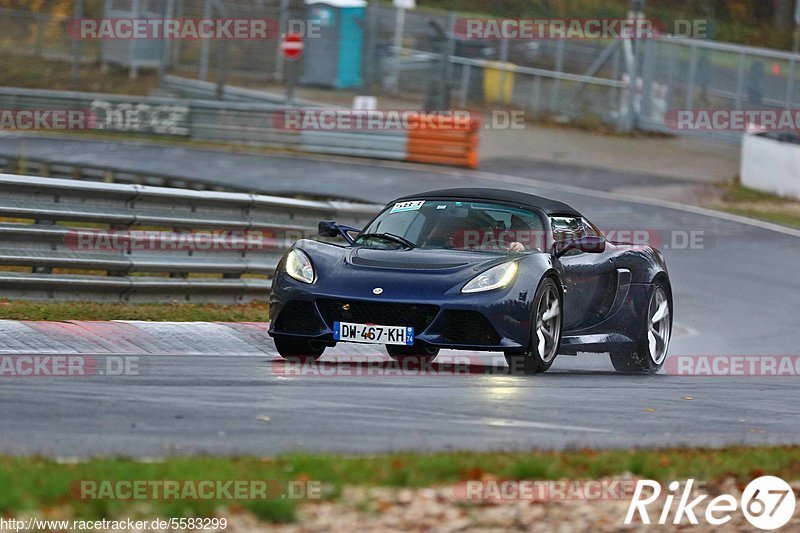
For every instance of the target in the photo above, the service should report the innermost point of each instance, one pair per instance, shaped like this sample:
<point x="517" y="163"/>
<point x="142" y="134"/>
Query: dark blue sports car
<point x="475" y="269"/>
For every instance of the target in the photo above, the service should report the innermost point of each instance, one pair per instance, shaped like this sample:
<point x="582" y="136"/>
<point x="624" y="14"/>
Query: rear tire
<point x="412" y="354"/>
<point x="654" y="340"/>
<point x="545" y="336"/>
<point x="299" y="349"/>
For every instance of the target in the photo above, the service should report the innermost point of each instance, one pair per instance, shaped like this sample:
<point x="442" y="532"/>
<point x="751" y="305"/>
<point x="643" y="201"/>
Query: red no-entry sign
<point x="292" y="45"/>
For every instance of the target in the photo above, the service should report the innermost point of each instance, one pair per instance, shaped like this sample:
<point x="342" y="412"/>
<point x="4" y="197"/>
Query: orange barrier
<point x="443" y="140"/>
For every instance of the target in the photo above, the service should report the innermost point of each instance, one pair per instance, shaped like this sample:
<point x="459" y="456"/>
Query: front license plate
<point x="372" y="334"/>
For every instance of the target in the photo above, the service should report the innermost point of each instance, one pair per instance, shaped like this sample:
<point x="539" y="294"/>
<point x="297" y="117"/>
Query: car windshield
<point x="455" y="225"/>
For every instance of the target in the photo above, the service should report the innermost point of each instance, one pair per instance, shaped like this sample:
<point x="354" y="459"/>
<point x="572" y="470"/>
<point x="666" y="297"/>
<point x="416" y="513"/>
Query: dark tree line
<point x="778" y="13"/>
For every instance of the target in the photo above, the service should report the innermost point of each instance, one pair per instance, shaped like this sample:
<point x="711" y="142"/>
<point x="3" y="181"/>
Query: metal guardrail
<point x="56" y="167"/>
<point x="208" y="120"/>
<point x="205" y="90"/>
<point x="227" y="121"/>
<point x="54" y="240"/>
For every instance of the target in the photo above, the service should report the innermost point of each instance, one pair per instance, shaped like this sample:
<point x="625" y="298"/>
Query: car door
<point x="590" y="278"/>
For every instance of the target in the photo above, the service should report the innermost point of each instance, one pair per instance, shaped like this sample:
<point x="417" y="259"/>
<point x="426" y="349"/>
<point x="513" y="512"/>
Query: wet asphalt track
<point x="737" y="295"/>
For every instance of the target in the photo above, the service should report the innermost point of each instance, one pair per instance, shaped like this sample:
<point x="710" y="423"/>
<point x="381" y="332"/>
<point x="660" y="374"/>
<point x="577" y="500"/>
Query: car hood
<point x="404" y="274"/>
<point x="417" y="259"/>
<point x="414" y="260"/>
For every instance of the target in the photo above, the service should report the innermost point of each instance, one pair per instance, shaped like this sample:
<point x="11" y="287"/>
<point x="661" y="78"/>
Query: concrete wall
<point x="771" y="166"/>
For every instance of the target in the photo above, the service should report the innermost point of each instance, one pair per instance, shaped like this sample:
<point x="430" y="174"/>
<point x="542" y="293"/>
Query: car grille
<point x="418" y="316"/>
<point x="467" y="327"/>
<point x="298" y="317"/>
<point x="361" y="261"/>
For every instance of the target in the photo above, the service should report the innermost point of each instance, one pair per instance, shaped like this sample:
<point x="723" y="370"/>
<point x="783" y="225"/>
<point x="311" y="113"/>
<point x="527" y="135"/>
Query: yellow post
<point x="498" y="83"/>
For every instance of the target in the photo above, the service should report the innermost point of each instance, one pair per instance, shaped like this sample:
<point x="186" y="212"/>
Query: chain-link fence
<point x="249" y="59"/>
<point x="590" y="80"/>
<point x="690" y="74"/>
<point x="40" y="34"/>
<point x="620" y="83"/>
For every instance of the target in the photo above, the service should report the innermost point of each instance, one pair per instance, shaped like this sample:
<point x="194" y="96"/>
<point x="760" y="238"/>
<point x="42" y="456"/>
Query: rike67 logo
<point x="767" y="502"/>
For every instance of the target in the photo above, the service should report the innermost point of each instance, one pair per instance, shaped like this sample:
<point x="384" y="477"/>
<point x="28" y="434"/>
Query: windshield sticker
<point x="441" y="206"/>
<point x="401" y="207"/>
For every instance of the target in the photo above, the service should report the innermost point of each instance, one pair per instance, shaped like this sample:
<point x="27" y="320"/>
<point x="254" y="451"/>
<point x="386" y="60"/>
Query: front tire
<point x="545" y="337"/>
<point x="300" y="350"/>
<point x="654" y="339"/>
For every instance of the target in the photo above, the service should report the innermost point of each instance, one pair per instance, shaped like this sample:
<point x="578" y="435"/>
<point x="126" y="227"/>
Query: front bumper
<point x="481" y="322"/>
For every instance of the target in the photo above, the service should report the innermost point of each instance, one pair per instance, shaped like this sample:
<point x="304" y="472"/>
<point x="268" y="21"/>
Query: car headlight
<point x="495" y="278"/>
<point x="299" y="266"/>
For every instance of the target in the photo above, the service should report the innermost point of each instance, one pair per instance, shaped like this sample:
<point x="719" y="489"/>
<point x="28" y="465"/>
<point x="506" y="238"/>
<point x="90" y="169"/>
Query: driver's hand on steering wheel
<point x="516" y="247"/>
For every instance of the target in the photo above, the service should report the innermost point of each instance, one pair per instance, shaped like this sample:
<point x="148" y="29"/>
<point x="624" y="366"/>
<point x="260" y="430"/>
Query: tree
<point x="783" y="14"/>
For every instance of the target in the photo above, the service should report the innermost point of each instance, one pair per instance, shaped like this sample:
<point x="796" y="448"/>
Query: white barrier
<point x="771" y="166"/>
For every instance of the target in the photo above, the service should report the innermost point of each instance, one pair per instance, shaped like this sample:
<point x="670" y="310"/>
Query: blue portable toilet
<point x="333" y="57"/>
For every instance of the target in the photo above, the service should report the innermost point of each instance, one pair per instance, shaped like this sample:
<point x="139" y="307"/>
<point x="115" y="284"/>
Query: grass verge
<point x="36" y="484"/>
<point x="175" y="312"/>
<point x="27" y="71"/>
<point x="744" y="201"/>
<point x="777" y="217"/>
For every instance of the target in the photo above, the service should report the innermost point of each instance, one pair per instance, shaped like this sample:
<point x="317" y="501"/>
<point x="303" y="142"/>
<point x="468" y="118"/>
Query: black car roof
<point x="551" y="207"/>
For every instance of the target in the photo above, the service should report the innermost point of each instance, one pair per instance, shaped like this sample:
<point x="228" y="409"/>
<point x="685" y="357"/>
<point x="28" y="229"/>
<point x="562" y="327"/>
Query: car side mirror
<point x="590" y="244"/>
<point x="329" y="228"/>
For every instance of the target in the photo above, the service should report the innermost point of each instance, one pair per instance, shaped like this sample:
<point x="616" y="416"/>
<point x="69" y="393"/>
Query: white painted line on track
<point x="454" y="418"/>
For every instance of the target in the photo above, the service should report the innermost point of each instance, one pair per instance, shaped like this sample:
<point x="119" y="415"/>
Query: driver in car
<point x="520" y="231"/>
<point x="473" y="233"/>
